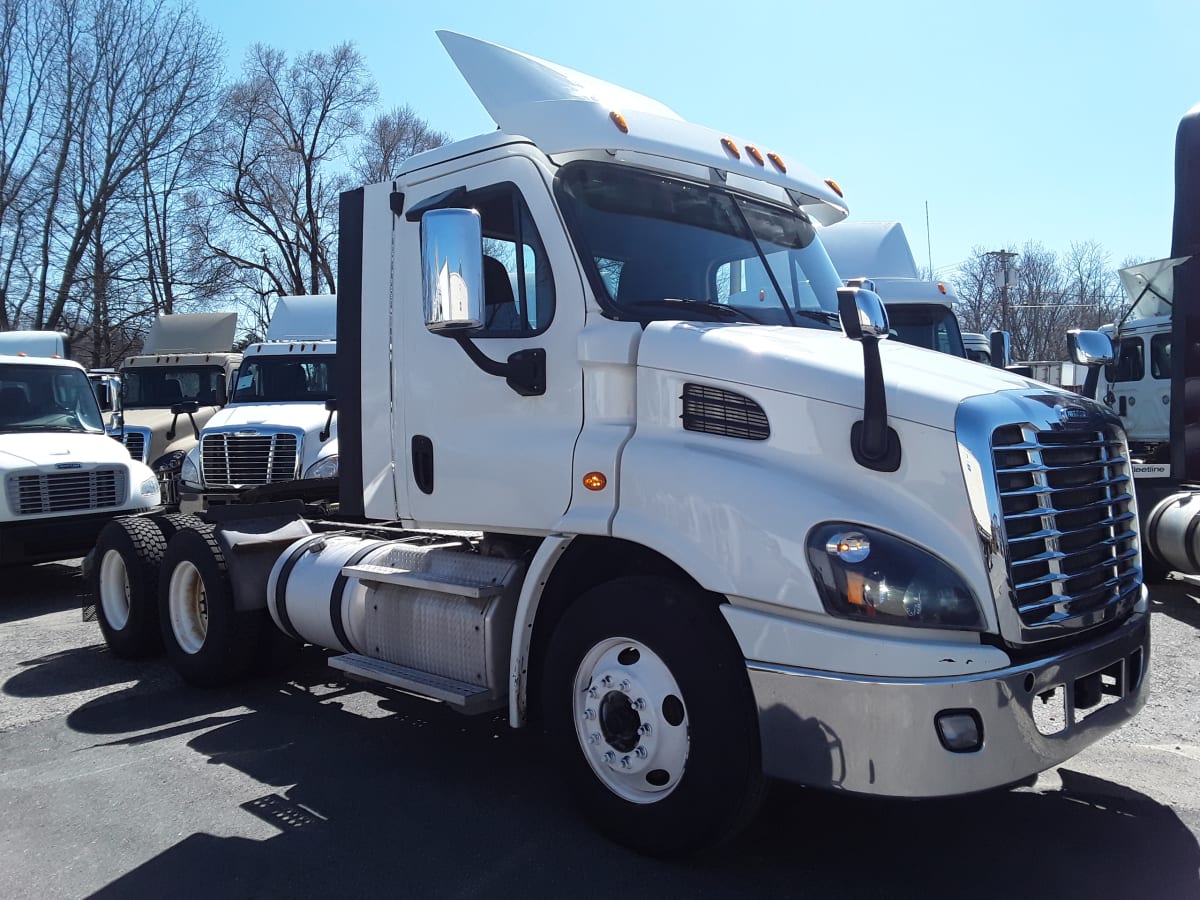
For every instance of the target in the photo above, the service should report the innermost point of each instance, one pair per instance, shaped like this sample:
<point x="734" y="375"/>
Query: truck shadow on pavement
<point x="373" y="795"/>
<point x="1178" y="599"/>
<point x="27" y="591"/>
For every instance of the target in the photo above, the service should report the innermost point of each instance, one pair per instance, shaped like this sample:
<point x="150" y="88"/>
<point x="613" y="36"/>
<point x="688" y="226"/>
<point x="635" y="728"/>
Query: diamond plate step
<point x="408" y="578"/>
<point x="467" y="698"/>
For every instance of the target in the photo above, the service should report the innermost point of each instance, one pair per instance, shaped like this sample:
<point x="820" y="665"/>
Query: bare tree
<point x="285" y="127"/>
<point x="392" y="138"/>
<point x="978" y="306"/>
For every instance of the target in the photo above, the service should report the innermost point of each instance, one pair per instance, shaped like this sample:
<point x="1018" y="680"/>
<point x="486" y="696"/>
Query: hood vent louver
<point x="715" y="411"/>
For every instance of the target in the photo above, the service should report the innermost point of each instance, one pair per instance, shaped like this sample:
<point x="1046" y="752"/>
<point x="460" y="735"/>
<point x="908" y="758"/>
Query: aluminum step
<point x="409" y="578"/>
<point x="467" y="698"/>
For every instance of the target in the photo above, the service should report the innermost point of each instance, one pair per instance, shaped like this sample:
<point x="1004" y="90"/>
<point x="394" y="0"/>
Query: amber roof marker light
<point x="835" y="187"/>
<point x="731" y="147"/>
<point x="619" y="121"/>
<point x="777" y="162"/>
<point x="755" y="154"/>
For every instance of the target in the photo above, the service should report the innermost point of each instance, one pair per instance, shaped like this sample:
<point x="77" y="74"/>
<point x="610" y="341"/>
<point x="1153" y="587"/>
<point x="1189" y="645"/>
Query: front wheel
<point x="208" y="641"/>
<point x="649" y="706"/>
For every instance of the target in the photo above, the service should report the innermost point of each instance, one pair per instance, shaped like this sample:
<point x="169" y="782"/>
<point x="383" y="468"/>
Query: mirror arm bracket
<point x="525" y="370"/>
<point x="875" y="445"/>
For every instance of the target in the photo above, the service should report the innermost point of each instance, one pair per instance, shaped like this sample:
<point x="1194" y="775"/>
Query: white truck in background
<point x="629" y="462"/>
<point x="62" y="479"/>
<point x="172" y="388"/>
<point x="280" y="423"/>
<point x="920" y="312"/>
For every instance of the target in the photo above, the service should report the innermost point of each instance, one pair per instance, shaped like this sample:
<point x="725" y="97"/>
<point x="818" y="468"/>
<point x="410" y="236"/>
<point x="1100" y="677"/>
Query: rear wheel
<point x="647" y="703"/>
<point x="125" y="585"/>
<point x="208" y="641"/>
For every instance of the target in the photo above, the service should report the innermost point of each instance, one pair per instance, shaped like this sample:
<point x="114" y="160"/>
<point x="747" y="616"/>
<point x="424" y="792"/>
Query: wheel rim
<point x="631" y="720"/>
<point x="188" y="605"/>
<point x="115" y="590"/>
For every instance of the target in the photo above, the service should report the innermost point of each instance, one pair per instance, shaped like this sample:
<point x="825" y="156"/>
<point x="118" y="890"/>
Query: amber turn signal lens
<point x="595" y="481"/>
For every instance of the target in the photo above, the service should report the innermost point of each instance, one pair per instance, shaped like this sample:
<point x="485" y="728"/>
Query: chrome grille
<point x="135" y="443"/>
<point x="239" y="460"/>
<point x="1070" y="523"/>
<point x="33" y="494"/>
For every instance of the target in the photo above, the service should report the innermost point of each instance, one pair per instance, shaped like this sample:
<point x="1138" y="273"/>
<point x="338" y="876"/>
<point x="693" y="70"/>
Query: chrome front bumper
<point x="878" y="735"/>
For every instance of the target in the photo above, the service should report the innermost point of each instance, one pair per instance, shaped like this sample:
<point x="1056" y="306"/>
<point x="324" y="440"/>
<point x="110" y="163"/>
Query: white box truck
<point x="63" y="480"/>
<point x="629" y="463"/>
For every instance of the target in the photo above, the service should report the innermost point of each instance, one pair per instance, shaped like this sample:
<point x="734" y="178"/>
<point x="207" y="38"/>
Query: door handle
<point x="422" y="463"/>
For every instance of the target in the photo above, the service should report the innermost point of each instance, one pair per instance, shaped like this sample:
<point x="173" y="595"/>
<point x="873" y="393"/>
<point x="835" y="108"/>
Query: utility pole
<point x="1004" y="277"/>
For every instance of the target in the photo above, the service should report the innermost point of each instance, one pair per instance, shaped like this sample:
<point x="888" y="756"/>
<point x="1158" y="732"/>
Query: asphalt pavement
<point x="117" y="780"/>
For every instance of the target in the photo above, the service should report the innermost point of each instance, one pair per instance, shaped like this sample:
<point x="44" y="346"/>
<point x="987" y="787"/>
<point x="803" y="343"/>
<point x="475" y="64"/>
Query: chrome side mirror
<point x="452" y="270"/>
<point x="1090" y="348"/>
<point x="862" y="313"/>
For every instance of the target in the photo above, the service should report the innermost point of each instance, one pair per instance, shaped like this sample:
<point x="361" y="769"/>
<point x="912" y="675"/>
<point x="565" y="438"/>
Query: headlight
<point x="169" y="462"/>
<point x="149" y="487"/>
<point x="871" y="576"/>
<point x="189" y="474"/>
<point x="323" y="468"/>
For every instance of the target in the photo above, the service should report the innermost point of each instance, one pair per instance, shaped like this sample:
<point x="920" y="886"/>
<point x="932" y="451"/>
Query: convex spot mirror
<point x="1090" y="348"/>
<point x="452" y="270"/>
<point x="862" y="313"/>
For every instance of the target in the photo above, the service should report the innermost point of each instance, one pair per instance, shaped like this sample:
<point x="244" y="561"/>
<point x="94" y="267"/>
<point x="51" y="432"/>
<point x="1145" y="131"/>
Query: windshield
<point x="47" y="398"/>
<point x="285" y="379"/>
<point x="927" y="325"/>
<point x="162" y="387"/>
<point x="662" y="248"/>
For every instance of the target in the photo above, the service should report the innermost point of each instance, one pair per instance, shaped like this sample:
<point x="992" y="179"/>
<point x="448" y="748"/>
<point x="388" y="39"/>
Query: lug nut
<point x="591" y="692"/>
<point x="624" y="762"/>
<point x="589" y="713"/>
<point x="610" y="757"/>
<point x="624" y="685"/>
<point x="641" y="752"/>
<point x="594" y="738"/>
<point x="644" y="729"/>
<point x="639" y="704"/>
<point x="606" y="680"/>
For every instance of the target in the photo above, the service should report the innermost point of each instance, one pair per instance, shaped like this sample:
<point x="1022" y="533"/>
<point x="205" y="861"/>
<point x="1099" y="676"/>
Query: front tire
<point x="648" y="705"/>
<point x="208" y="641"/>
<point x="125" y="585"/>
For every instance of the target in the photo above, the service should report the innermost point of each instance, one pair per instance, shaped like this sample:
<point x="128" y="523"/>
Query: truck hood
<point x="54" y="448"/>
<point x="922" y="386"/>
<point x="305" y="416"/>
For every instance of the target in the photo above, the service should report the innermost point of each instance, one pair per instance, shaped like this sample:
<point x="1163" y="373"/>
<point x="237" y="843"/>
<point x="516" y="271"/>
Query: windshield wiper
<point x="821" y="315"/>
<point x="708" y="306"/>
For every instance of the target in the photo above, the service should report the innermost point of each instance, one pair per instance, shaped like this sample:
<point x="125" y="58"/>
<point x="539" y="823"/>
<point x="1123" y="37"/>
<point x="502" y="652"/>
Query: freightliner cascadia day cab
<point x="279" y="425"/>
<point x="171" y="389"/>
<point x="63" y="480"/>
<point x="919" y="312"/>
<point x="636" y="468"/>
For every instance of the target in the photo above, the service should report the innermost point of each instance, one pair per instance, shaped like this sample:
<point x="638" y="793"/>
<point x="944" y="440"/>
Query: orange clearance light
<point x="619" y="121"/>
<point x="731" y="147"/>
<point x="755" y="154"/>
<point x="835" y="187"/>
<point x="854" y="589"/>
<point x="595" y="481"/>
<point x="22" y="353"/>
<point x="777" y="162"/>
<point x="941" y="287"/>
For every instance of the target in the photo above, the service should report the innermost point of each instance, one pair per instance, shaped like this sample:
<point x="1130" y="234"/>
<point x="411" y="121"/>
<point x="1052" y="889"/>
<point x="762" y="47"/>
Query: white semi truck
<point x="172" y="388"/>
<point x="280" y="424"/>
<point x="63" y="480"/>
<point x="920" y="312"/>
<point x="629" y="463"/>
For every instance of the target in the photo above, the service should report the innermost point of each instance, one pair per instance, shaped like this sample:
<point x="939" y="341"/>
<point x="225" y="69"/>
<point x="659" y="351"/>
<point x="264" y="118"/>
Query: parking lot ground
<point x="117" y="780"/>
